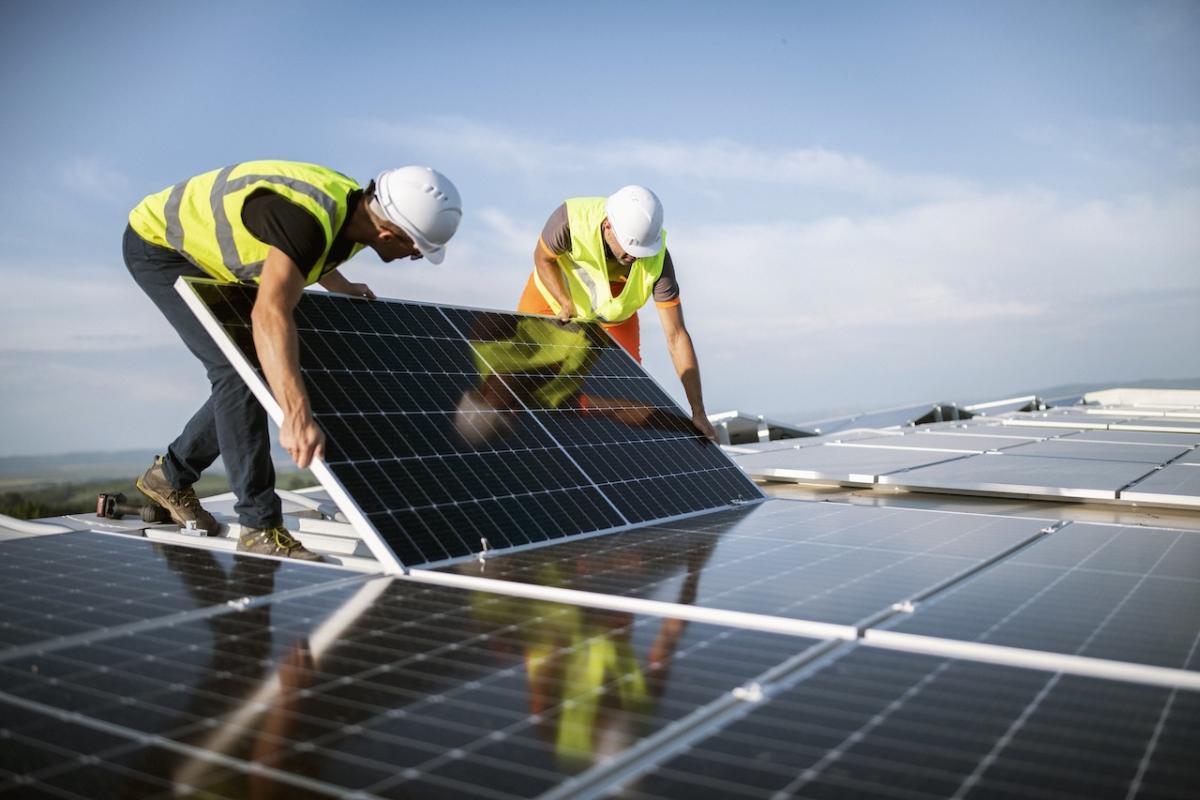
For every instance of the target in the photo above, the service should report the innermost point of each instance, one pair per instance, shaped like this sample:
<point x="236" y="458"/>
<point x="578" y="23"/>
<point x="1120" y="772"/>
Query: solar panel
<point x="452" y="431"/>
<point x="999" y="427"/>
<point x="73" y="584"/>
<point x="1010" y="473"/>
<point x="884" y="724"/>
<point x="1189" y="426"/>
<point x="1059" y="419"/>
<point x="1103" y="591"/>
<point x="1103" y="451"/>
<point x="1173" y="485"/>
<point x="388" y="687"/>
<point x="828" y="563"/>
<point x="1139" y="437"/>
<point x="960" y="442"/>
<point x="843" y="464"/>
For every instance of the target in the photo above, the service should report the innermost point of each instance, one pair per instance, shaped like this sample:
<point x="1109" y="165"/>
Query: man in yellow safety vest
<point x="282" y="225"/>
<point x="603" y="258"/>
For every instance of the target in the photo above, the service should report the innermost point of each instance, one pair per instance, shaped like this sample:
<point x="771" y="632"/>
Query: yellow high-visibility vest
<point x="201" y="218"/>
<point x="586" y="274"/>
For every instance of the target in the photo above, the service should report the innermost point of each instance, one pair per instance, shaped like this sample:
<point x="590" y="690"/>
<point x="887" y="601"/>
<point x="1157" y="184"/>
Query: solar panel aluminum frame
<point x="370" y="534"/>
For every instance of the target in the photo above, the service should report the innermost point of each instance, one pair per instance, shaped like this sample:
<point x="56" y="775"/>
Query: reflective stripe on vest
<point x="200" y="218"/>
<point x="585" y="269"/>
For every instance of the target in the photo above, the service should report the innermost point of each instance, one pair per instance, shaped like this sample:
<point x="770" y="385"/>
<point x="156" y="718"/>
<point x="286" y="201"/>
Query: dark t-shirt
<point x="556" y="235"/>
<point x="276" y="221"/>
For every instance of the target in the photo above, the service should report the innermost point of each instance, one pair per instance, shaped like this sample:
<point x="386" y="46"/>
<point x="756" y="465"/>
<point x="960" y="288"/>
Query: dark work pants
<point x="231" y="423"/>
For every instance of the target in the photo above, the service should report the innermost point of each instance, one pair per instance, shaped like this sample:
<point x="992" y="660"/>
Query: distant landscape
<point x="32" y="487"/>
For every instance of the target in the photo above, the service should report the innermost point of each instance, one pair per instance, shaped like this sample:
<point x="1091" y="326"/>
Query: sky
<point x="868" y="203"/>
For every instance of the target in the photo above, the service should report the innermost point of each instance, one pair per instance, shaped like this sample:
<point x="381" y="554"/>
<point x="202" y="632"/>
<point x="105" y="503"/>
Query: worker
<point x="602" y="259"/>
<point x="282" y="225"/>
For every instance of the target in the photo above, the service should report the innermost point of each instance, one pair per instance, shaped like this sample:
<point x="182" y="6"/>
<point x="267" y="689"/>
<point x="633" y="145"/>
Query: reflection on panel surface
<point x="1009" y="473"/>
<point x="74" y="583"/>
<point x="820" y="561"/>
<point x="450" y="427"/>
<point x="388" y="686"/>
<point x="846" y="464"/>
<point x="1106" y="591"/>
<point x="1175" y="484"/>
<point x="1103" y="451"/>
<point x="885" y="724"/>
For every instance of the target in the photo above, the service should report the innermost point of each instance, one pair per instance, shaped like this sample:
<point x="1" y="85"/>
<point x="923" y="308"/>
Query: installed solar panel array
<point x="1061" y="454"/>
<point x="808" y="649"/>
<point x="776" y="649"/>
<point x="452" y="431"/>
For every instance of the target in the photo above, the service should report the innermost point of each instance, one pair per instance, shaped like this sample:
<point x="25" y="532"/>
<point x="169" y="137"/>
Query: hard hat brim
<point x="644" y="252"/>
<point x="435" y="255"/>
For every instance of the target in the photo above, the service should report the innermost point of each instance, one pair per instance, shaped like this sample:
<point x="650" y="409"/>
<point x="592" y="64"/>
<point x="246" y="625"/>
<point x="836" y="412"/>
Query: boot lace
<point x="185" y="498"/>
<point x="283" y="539"/>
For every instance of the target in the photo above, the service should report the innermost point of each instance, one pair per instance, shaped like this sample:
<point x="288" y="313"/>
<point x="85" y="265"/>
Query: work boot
<point x="181" y="504"/>
<point x="275" y="541"/>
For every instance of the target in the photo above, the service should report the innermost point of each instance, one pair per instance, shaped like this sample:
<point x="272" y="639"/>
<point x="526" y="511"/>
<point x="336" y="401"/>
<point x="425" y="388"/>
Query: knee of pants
<point x="226" y="380"/>
<point x="221" y="371"/>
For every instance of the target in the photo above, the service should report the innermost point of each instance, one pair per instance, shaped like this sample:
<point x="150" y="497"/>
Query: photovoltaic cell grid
<point x="443" y="451"/>
<point x="419" y="691"/>
<point x="1106" y="591"/>
<point x="897" y="725"/>
<point x="72" y="584"/>
<point x="815" y="561"/>
<point x="628" y="434"/>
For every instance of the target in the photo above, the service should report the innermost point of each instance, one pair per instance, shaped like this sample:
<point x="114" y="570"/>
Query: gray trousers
<point x="231" y="423"/>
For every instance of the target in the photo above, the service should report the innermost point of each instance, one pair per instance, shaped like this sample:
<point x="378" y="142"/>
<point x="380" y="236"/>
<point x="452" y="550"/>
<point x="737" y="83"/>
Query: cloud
<point x="708" y="160"/>
<point x="986" y="259"/>
<point x="94" y="178"/>
<point x="90" y="310"/>
<point x="1139" y="148"/>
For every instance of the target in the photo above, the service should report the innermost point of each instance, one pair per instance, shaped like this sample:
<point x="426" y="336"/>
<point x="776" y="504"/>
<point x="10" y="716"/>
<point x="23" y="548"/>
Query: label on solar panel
<point x="451" y="431"/>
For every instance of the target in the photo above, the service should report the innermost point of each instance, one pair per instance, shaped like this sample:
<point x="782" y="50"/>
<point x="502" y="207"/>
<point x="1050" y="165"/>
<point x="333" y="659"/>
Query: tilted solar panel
<point x="452" y="431"/>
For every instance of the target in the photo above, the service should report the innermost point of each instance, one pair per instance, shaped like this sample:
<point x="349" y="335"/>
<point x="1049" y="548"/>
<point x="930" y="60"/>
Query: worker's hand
<point x="359" y="290"/>
<point x="700" y="422"/>
<point x="566" y="311"/>
<point x="302" y="438"/>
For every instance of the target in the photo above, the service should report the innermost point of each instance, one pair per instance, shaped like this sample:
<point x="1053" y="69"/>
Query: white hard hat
<point x="636" y="216"/>
<point x="424" y="204"/>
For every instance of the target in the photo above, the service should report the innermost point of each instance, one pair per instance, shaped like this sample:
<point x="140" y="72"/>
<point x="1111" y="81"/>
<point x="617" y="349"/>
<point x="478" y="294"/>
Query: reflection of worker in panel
<point x="602" y="259"/>
<point x="241" y="646"/>
<point x="540" y="364"/>
<point x="282" y="225"/>
<point x="592" y="695"/>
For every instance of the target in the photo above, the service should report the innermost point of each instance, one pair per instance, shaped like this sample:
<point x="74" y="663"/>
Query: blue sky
<point x="868" y="203"/>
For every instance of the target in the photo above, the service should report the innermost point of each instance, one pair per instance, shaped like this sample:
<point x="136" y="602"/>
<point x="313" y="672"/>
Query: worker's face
<point x="392" y="243"/>
<point x="610" y="239"/>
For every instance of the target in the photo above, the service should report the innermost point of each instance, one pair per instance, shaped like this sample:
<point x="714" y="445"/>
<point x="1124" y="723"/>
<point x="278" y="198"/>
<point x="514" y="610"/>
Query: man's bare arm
<point x="551" y="276"/>
<point x="279" y="353"/>
<point x="335" y="281"/>
<point x="687" y="367"/>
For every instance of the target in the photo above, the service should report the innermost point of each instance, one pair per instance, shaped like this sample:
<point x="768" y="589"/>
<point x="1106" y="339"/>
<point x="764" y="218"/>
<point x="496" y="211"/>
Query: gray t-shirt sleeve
<point x="557" y="233"/>
<point x="666" y="288"/>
